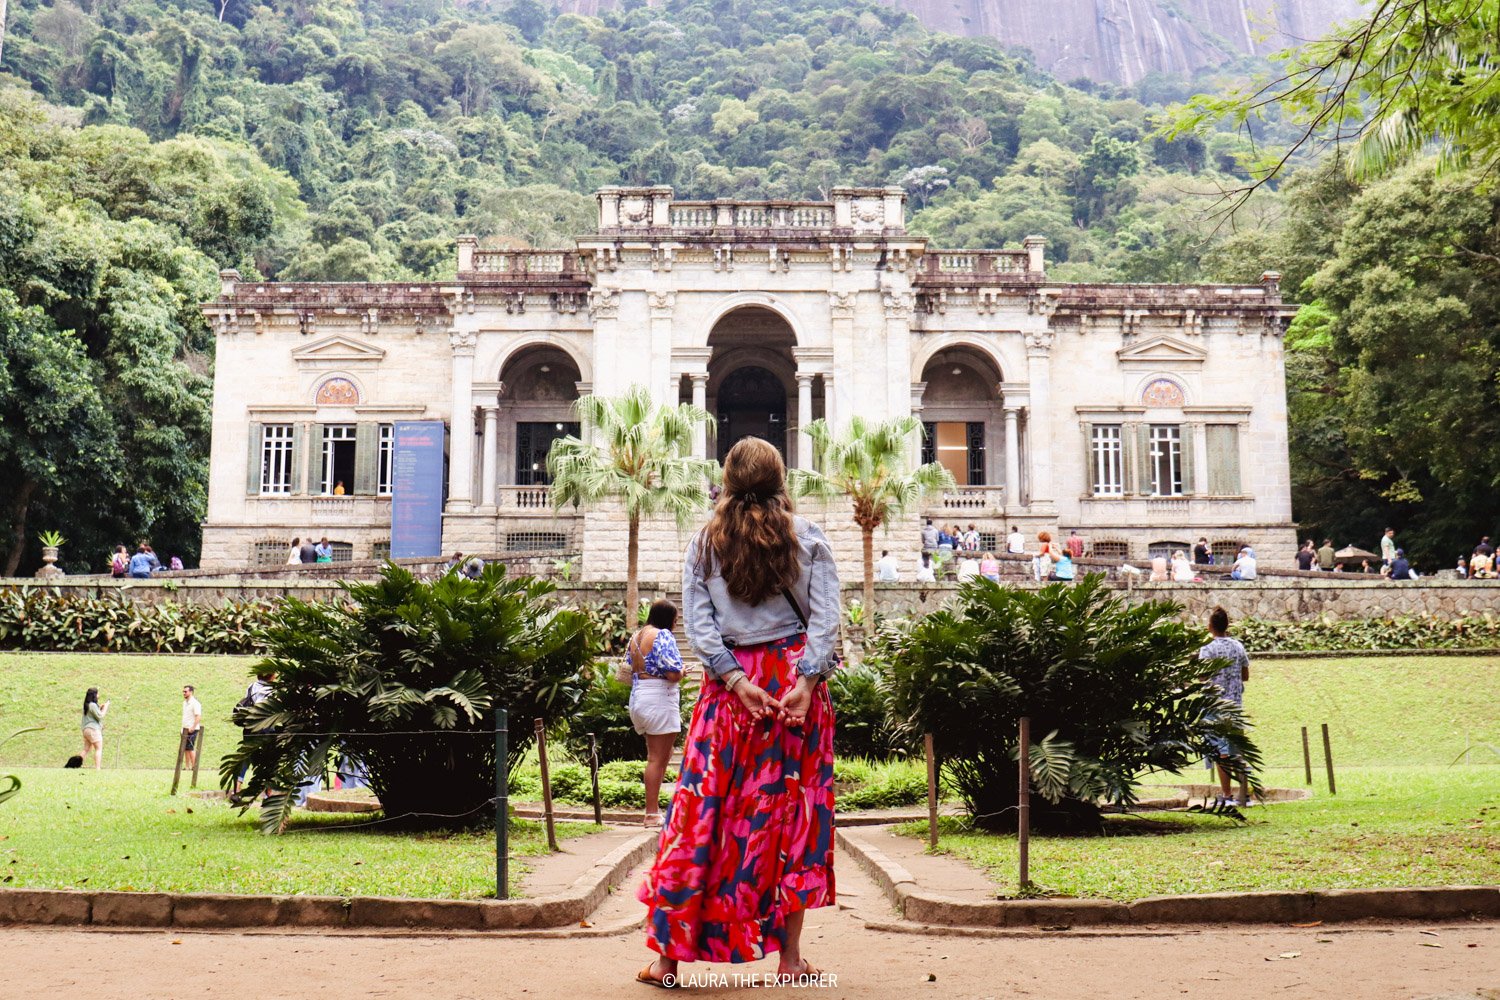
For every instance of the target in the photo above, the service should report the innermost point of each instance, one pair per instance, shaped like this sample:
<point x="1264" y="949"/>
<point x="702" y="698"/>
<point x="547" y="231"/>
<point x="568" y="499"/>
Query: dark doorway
<point x="533" y="442"/>
<point x="751" y="403"/>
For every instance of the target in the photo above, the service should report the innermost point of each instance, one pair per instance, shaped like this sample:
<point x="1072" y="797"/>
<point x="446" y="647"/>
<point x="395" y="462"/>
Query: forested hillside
<point x="145" y="143"/>
<point x="403" y="124"/>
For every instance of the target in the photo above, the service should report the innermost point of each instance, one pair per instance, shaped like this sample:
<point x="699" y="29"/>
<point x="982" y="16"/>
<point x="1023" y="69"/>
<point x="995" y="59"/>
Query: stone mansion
<point x="1144" y="416"/>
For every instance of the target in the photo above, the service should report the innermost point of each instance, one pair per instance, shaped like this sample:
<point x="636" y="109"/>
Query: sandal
<point x="652" y="821"/>
<point x="808" y="969"/>
<point x="645" y="976"/>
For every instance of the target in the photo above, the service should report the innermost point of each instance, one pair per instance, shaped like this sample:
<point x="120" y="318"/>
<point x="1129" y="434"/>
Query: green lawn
<point x="145" y="713"/>
<point x="1403" y="816"/>
<point x="121" y="830"/>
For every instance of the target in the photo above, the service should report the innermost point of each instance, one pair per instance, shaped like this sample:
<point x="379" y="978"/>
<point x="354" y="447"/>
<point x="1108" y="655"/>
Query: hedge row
<point x="39" y="618"/>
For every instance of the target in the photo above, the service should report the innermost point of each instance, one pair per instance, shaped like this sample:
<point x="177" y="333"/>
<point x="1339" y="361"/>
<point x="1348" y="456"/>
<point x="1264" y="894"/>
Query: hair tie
<point x="749" y="497"/>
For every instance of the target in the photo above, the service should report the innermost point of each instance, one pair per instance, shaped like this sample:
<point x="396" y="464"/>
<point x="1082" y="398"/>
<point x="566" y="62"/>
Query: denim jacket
<point x="711" y="615"/>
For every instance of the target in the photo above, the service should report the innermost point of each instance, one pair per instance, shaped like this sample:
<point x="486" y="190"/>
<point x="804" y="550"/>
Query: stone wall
<point x="1270" y="598"/>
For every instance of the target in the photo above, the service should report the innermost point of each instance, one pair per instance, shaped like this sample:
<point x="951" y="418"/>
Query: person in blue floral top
<point x="1231" y="684"/>
<point x="656" y="697"/>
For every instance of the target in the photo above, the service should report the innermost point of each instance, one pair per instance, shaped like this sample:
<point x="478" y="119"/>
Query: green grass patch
<point x="1402" y="817"/>
<point x="1386" y="827"/>
<point x="145" y="712"/>
<point x="121" y="830"/>
<point x="1381" y="711"/>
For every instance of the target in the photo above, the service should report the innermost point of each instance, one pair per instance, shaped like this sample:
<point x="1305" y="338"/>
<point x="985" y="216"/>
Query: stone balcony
<point x="974" y="500"/>
<point x="1163" y="511"/>
<point x="319" y="512"/>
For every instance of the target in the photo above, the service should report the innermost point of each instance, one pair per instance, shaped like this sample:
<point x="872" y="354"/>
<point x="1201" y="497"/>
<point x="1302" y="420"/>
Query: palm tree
<point x="867" y="463"/>
<point x="639" y="453"/>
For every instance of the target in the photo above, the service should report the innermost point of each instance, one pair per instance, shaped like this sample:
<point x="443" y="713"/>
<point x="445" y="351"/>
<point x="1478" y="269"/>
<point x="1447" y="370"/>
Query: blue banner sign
<point x="417" y="490"/>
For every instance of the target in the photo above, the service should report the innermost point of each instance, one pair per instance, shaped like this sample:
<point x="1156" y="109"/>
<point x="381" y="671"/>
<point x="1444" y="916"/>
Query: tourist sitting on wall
<point x="968" y="568"/>
<point x="1401" y="567"/>
<point x="1062" y="567"/>
<point x="1015" y="543"/>
<point x="1203" y="553"/>
<point x="1481" y="566"/>
<point x="1159" y="571"/>
<point x="886" y="569"/>
<point x="946" y="542"/>
<point x="142" y="563"/>
<point x="1182" y="570"/>
<point x="925" y="572"/>
<point x="929" y="536"/>
<point x="989" y="567"/>
<point x="1244" y="566"/>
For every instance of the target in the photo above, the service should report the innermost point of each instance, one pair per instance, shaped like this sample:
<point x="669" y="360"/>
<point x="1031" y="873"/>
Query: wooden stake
<point x="502" y="805"/>
<point x="594" y="778"/>
<point x="932" y="795"/>
<point x="541" y="752"/>
<point x="1306" y="759"/>
<point x="177" y="771"/>
<point x="198" y="756"/>
<point x="1328" y="760"/>
<point x="1023" y="827"/>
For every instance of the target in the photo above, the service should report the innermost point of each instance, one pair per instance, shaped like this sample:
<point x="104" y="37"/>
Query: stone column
<point x="700" y="400"/>
<point x="918" y="390"/>
<point x="1012" y="457"/>
<point x="829" y="413"/>
<point x="1038" y="416"/>
<point x="490" y="458"/>
<point x="461" y="423"/>
<point x="804" y="417"/>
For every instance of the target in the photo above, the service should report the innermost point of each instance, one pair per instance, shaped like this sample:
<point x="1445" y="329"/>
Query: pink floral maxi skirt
<point x="749" y="834"/>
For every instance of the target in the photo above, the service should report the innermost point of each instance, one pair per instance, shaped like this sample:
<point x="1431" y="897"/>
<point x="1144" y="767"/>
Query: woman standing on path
<point x="747" y="847"/>
<point x="656" y="697"/>
<point x="1231" y="684"/>
<point x="93" y="727"/>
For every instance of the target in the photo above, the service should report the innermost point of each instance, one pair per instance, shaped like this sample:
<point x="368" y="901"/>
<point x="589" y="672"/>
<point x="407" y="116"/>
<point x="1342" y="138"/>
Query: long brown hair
<point x="751" y="535"/>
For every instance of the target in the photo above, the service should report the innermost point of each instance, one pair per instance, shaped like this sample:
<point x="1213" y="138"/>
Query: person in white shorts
<point x="656" y="697"/>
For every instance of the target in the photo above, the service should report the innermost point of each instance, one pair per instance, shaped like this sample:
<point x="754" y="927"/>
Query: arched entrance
<point x="963" y="417"/>
<point x="751" y="402"/>
<point x="752" y="381"/>
<point x="540" y="385"/>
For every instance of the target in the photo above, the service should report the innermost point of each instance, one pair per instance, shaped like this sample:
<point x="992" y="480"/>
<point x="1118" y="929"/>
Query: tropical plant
<point x="1407" y="77"/>
<point x="403" y="678"/>
<point x="52" y="539"/>
<point x="861" y="706"/>
<point x="10" y="784"/>
<point x="1113" y="692"/>
<point x="638" y="453"/>
<point x="604" y="711"/>
<point x="867" y="463"/>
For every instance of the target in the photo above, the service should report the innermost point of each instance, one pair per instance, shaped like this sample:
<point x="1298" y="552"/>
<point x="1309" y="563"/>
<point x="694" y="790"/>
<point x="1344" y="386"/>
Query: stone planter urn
<point x="49" y="559"/>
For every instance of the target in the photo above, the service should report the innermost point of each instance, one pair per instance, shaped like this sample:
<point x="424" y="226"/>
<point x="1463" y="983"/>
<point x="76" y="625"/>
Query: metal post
<point x="1023" y="826"/>
<point x="1306" y="759"/>
<point x="198" y="757"/>
<point x="1328" y="760"/>
<point x="502" y="806"/>
<point x="541" y="753"/>
<point x="932" y="797"/>
<point x="181" y="749"/>
<point x="594" y="778"/>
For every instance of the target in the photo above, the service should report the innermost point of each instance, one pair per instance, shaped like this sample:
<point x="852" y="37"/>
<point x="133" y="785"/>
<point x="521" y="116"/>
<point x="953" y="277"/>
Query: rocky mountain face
<point x="1120" y="41"/>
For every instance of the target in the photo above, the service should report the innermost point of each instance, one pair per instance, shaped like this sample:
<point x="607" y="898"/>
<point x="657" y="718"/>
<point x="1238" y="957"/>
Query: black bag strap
<point x="802" y="618"/>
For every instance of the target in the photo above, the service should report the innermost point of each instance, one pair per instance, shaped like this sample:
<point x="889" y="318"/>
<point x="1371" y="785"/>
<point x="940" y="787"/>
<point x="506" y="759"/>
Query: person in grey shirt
<point x="752" y="817"/>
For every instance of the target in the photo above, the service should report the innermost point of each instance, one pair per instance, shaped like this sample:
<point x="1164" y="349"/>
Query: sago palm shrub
<point x="403" y="679"/>
<point x="1113" y="693"/>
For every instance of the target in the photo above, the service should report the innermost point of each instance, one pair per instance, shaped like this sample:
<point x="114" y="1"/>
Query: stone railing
<point x="976" y="265"/>
<point x="972" y="498"/>
<point x="524" y="497"/>
<point x="517" y="264"/>
<point x="316" y="512"/>
<point x="703" y="215"/>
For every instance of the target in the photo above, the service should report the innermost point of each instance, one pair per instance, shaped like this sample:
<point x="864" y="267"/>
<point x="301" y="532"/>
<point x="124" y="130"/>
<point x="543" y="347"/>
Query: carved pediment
<point x="337" y="351"/>
<point x="1161" y="352"/>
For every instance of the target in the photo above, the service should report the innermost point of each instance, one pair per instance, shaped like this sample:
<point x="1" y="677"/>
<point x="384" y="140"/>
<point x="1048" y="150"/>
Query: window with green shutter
<point x="1223" y="459"/>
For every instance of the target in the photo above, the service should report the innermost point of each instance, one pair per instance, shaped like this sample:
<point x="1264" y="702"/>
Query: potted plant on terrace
<point x="51" y="542"/>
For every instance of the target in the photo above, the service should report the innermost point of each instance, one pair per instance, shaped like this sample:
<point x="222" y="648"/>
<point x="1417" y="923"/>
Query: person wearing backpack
<point x="258" y="691"/>
<point x="119" y="563"/>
